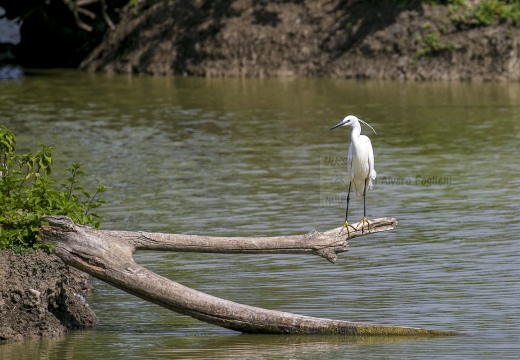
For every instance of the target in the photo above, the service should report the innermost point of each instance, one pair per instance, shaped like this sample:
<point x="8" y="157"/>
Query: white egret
<point x="360" y="165"/>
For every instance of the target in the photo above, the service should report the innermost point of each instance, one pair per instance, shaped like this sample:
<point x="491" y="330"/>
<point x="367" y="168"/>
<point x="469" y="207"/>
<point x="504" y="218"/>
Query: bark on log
<point x="107" y="255"/>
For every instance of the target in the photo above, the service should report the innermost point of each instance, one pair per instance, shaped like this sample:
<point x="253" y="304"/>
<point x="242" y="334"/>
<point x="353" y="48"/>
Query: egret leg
<point x="365" y="220"/>
<point x="346" y="224"/>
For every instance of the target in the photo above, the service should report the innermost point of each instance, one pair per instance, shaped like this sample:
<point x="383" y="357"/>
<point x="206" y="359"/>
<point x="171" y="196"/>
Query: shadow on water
<point x="187" y="345"/>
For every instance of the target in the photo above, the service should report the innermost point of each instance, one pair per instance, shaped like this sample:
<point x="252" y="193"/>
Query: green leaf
<point x="26" y="194"/>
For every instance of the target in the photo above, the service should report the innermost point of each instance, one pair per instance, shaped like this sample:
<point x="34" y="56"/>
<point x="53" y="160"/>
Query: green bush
<point x="27" y="193"/>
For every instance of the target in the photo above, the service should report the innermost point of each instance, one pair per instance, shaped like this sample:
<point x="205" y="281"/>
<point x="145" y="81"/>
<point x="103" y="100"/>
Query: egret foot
<point x="346" y="225"/>
<point x="363" y="221"/>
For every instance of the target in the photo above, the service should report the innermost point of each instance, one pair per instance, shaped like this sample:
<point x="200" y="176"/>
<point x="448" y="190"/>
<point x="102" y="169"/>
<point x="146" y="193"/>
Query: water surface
<point x="246" y="157"/>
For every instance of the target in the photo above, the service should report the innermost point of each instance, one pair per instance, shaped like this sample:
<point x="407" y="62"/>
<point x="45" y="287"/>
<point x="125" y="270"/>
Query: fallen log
<point x="107" y="255"/>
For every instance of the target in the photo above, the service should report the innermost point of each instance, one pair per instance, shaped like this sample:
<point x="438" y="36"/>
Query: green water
<point x="249" y="157"/>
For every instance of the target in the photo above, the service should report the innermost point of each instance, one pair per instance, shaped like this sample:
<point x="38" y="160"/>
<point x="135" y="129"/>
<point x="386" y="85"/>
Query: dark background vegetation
<point x="50" y="35"/>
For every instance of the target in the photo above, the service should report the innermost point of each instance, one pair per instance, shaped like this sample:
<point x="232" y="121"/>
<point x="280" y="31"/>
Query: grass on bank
<point x="483" y="12"/>
<point x="464" y="13"/>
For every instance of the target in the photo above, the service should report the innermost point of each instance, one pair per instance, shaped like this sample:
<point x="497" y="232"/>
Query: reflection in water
<point x="10" y="72"/>
<point x="165" y="345"/>
<point x="247" y="157"/>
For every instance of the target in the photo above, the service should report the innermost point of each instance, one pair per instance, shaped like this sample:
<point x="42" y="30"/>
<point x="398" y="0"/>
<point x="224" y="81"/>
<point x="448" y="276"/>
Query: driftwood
<point x="77" y="8"/>
<point x="107" y="255"/>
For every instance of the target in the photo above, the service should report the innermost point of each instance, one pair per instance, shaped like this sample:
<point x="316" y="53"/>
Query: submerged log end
<point x="320" y="326"/>
<point x="386" y="330"/>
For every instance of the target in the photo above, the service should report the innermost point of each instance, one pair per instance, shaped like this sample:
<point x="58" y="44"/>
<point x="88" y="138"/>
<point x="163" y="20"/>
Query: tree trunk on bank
<point x="107" y="255"/>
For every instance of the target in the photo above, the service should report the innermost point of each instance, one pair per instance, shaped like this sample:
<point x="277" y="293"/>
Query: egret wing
<point x="349" y="163"/>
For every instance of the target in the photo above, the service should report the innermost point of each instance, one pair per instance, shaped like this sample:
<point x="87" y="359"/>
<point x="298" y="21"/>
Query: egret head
<point x="351" y="120"/>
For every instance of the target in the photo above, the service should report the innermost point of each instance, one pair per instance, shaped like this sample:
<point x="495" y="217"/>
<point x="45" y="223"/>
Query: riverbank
<point x="340" y="39"/>
<point x="41" y="297"/>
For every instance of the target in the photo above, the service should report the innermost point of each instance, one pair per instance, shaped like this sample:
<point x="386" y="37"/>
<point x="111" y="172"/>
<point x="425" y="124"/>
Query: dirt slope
<point x="327" y="38"/>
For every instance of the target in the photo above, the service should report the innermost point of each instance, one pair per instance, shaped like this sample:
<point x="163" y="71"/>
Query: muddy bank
<point x="338" y="38"/>
<point x="41" y="297"/>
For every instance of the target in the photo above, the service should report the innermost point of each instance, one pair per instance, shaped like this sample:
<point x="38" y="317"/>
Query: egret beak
<point x="337" y="125"/>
